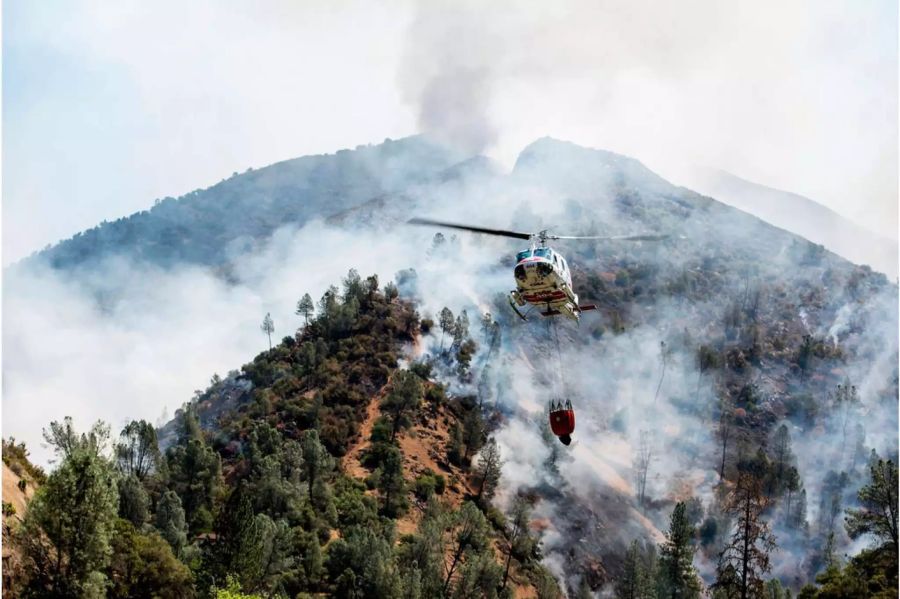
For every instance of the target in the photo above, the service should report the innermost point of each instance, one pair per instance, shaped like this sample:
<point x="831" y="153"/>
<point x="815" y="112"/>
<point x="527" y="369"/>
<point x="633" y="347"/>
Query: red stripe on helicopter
<point x="544" y="296"/>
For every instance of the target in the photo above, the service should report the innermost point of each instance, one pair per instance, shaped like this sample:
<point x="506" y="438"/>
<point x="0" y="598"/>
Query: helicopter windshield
<point x="522" y="255"/>
<point x="543" y="253"/>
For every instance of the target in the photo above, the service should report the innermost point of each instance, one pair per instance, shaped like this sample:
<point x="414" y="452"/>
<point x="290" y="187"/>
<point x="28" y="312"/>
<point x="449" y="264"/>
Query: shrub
<point x="428" y="484"/>
<point x="435" y="394"/>
<point x="496" y="518"/>
<point x="424" y="487"/>
<point x="422" y="369"/>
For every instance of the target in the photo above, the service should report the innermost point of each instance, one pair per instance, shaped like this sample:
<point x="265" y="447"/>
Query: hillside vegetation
<point x="211" y="226"/>
<point x="259" y="502"/>
<point x="736" y="395"/>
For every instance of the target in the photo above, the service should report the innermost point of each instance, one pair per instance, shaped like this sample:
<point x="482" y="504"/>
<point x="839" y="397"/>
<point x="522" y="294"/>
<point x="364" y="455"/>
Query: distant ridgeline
<point x="594" y="188"/>
<point x="209" y="226"/>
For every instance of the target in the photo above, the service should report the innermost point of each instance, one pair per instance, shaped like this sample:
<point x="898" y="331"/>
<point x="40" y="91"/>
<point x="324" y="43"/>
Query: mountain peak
<point x="579" y="169"/>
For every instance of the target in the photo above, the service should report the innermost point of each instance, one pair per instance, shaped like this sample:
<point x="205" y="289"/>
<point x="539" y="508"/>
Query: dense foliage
<point x="253" y="500"/>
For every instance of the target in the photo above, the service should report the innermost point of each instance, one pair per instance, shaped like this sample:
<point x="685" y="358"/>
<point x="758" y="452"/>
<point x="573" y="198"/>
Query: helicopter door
<point x="565" y="270"/>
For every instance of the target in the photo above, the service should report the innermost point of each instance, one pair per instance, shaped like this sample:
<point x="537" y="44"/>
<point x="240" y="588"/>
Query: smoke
<point x="679" y="85"/>
<point x="448" y="74"/>
<point x="126" y="340"/>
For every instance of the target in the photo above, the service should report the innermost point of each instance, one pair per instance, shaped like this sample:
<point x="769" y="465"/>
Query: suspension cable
<point x="562" y="376"/>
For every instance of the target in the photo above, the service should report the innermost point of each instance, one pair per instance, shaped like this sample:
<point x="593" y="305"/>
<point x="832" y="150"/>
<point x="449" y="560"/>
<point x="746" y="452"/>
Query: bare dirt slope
<point x="350" y="463"/>
<point x="12" y="494"/>
<point x="424" y="448"/>
<point x="19" y="500"/>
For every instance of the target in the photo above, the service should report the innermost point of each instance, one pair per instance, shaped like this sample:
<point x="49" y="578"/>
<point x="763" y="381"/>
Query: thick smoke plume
<point x="448" y="75"/>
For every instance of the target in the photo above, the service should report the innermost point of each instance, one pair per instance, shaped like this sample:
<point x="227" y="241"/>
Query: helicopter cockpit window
<point x="543" y="253"/>
<point x="523" y="254"/>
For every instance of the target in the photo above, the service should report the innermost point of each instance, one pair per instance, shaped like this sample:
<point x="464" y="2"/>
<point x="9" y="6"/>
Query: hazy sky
<point x="107" y="106"/>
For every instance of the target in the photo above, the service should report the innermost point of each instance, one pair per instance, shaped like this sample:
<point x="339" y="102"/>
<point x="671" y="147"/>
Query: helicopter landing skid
<point x="571" y="311"/>
<point x="512" y="304"/>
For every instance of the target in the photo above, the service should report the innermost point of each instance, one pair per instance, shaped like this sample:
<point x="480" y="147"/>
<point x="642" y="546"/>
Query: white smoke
<point x="154" y="336"/>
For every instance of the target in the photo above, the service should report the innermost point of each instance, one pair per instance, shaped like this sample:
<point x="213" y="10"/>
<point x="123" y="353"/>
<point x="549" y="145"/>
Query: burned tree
<point x="706" y="360"/>
<point x="268" y="327"/>
<point x="663" y="358"/>
<point x="642" y="466"/>
<point x="745" y="558"/>
<point x="845" y="401"/>
<point x="725" y="425"/>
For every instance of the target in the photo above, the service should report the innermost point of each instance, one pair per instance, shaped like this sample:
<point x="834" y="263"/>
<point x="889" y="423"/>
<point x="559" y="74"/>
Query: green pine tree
<point x="305" y="308"/>
<point x="879" y="512"/>
<point x="391" y="484"/>
<point x="66" y="534"/>
<point x="677" y="578"/>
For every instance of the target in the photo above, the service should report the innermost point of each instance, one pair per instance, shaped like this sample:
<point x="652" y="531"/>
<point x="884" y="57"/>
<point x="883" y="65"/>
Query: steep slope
<point x="337" y="380"/>
<point x="20" y="480"/>
<point x="210" y="226"/>
<point x="14" y="494"/>
<point x="799" y="215"/>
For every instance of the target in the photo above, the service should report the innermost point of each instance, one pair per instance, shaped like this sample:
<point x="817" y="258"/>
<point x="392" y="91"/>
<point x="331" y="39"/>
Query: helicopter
<point x="543" y="278"/>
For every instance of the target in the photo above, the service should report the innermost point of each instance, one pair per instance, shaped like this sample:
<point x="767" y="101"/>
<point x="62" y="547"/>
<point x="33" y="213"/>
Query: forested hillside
<point x="736" y="396"/>
<point x="315" y="479"/>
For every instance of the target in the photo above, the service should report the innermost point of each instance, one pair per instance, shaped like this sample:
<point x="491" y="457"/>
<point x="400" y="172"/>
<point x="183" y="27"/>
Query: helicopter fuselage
<point x="543" y="280"/>
<point x="542" y="276"/>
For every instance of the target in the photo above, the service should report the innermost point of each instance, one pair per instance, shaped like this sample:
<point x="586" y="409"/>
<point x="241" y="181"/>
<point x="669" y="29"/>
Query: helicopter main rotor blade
<point x="617" y="238"/>
<point x="500" y="232"/>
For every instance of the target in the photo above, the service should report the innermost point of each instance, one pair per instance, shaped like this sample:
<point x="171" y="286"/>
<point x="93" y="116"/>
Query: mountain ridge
<point x="800" y="215"/>
<point x="732" y="348"/>
<point x="209" y="226"/>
